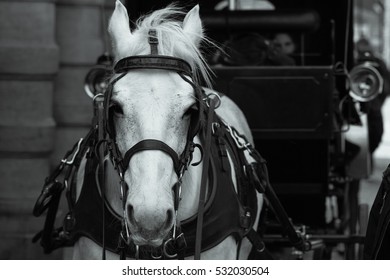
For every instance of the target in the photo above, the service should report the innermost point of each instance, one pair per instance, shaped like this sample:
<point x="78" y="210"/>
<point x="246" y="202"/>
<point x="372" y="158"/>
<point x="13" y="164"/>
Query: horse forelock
<point x="173" y="41"/>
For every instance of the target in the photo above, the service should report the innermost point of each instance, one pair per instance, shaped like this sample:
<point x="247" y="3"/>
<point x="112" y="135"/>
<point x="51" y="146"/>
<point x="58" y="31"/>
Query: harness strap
<point x="151" y="144"/>
<point x="99" y="103"/>
<point x="153" y="41"/>
<point x="202" y="194"/>
<point x="153" y="62"/>
<point x="49" y="199"/>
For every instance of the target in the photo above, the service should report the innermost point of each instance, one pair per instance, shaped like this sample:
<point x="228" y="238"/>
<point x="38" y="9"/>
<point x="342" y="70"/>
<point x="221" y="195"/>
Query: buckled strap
<point x="153" y="41"/>
<point x="204" y="178"/>
<point x="152" y="62"/>
<point x="151" y="144"/>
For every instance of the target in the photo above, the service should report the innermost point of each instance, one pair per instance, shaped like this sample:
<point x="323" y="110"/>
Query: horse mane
<point x="173" y="41"/>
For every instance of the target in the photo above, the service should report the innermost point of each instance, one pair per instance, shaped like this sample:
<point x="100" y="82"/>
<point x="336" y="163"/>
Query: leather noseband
<point x="151" y="144"/>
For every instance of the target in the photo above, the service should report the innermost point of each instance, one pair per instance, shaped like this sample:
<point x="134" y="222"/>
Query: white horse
<point x="152" y="104"/>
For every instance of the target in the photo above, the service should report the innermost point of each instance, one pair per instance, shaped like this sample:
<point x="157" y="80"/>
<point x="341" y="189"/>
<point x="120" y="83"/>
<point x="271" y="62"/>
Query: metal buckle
<point x="214" y="127"/>
<point x="153" y="41"/>
<point x="240" y="141"/>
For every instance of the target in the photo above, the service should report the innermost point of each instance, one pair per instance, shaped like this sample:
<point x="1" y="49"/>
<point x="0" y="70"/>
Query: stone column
<point x="46" y="49"/>
<point x="29" y="64"/>
<point x="81" y="36"/>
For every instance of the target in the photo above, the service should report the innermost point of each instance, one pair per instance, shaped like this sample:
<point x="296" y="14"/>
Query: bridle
<point x="106" y="132"/>
<point x="127" y="64"/>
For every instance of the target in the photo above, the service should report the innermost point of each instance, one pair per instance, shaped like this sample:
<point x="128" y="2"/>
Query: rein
<point x="202" y="194"/>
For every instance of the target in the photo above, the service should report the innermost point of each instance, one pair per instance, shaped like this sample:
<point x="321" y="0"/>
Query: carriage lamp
<point x="96" y="80"/>
<point x="365" y="82"/>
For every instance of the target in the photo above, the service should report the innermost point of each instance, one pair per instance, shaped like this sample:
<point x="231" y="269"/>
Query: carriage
<point x="301" y="118"/>
<point x="304" y="118"/>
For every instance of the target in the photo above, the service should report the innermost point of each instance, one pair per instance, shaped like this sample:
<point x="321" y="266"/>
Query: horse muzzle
<point x="149" y="228"/>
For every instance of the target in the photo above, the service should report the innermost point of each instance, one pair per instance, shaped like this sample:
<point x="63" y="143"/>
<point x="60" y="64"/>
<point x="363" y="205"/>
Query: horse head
<point x="155" y="105"/>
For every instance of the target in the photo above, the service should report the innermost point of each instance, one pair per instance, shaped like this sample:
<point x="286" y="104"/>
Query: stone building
<point x="46" y="49"/>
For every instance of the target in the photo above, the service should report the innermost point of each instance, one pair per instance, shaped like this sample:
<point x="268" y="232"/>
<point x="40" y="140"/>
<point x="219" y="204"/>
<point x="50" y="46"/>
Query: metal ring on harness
<point x="127" y="240"/>
<point x="170" y="240"/>
<point x="262" y="248"/>
<point x="201" y="155"/>
<point x="96" y="96"/>
<point x="207" y="98"/>
<point x="156" y="257"/>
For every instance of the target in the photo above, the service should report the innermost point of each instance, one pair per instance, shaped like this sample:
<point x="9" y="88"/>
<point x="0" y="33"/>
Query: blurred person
<point x="284" y="43"/>
<point x="250" y="49"/>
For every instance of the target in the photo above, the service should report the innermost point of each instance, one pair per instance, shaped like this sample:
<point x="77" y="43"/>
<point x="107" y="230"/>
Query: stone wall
<point x="46" y="49"/>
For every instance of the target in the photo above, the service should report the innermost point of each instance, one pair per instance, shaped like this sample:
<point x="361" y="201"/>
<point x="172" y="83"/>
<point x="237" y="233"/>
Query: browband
<point x="153" y="62"/>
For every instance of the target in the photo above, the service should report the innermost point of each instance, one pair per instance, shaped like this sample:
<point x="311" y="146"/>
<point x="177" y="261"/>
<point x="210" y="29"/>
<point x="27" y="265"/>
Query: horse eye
<point x="116" y="108"/>
<point x="190" y="111"/>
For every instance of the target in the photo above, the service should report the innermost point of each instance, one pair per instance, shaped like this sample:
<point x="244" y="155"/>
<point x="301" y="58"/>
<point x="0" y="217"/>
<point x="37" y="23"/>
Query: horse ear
<point x="119" y="30"/>
<point x="192" y="25"/>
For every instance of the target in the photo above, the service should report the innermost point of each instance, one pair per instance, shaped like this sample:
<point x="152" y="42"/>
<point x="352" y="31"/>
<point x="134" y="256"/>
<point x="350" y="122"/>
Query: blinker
<point x="97" y="79"/>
